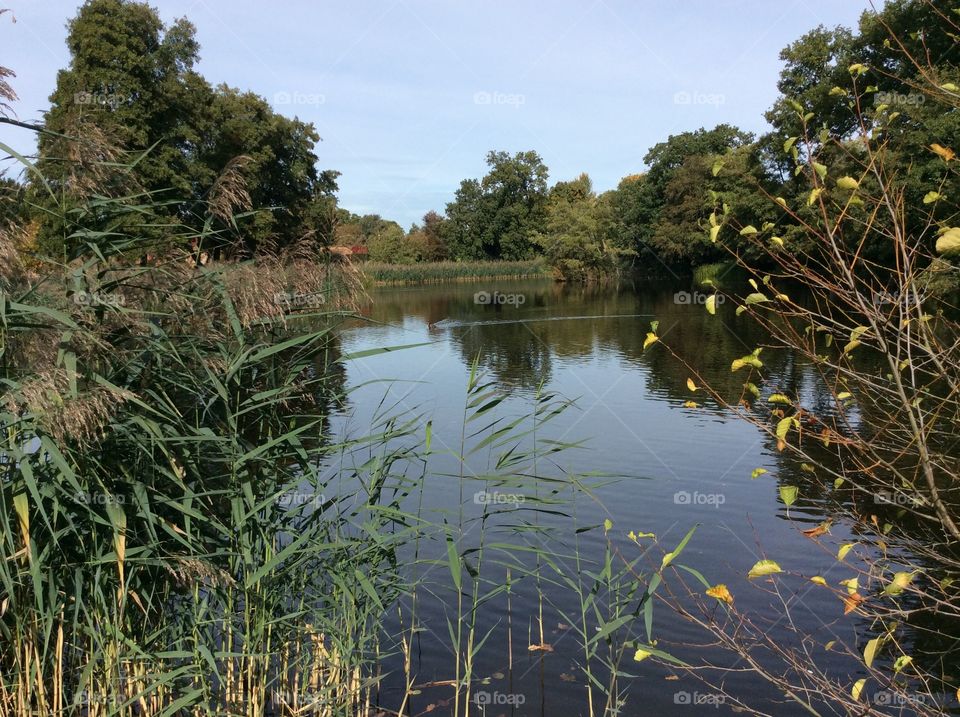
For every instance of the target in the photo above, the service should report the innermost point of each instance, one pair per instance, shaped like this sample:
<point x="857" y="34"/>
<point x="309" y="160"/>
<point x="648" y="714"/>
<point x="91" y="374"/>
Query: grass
<point x="430" y="272"/>
<point x="183" y="535"/>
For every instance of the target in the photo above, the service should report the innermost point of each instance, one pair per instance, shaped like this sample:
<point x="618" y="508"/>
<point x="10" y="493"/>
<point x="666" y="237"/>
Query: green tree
<point x="578" y="237"/>
<point x="492" y="218"/>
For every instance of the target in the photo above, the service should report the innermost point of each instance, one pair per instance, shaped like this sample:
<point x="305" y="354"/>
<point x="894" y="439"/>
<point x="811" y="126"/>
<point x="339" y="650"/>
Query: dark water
<point x="666" y="468"/>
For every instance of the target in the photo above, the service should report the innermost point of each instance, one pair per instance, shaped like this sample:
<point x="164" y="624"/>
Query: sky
<point x="408" y="96"/>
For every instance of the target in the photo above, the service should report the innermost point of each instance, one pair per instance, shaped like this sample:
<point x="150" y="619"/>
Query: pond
<point x="656" y="463"/>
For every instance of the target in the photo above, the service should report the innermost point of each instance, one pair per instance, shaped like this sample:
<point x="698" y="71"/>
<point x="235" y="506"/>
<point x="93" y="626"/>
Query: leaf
<point x="902" y="662"/>
<point x="857" y="69"/>
<point x="779" y="398"/>
<point x="717" y="166"/>
<point x="669" y="557"/>
<point x="931" y="197"/>
<point x="748" y="230"/>
<point x="848" y="183"/>
<point x="788" y="494"/>
<point x="949" y="242"/>
<point x="757" y="472"/>
<point x="764" y="567"/>
<point x="752" y="388"/>
<point x="651" y="339"/>
<point x="783" y="427"/>
<point x="641" y="654"/>
<point x="814" y="195"/>
<point x="691" y="385"/>
<point x="818" y="580"/>
<point x="711" y="304"/>
<point x="714" y="233"/>
<point x="720" y="592"/>
<point x="858" y="688"/>
<point x="901" y="581"/>
<point x="945" y="153"/>
<point x="852" y="585"/>
<point x="607" y="525"/>
<point x="851" y="602"/>
<point x="949" y="87"/>
<point x="837" y="92"/>
<point x="844" y="549"/>
<point x="851" y="345"/>
<point x="691" y="404"/>
<point x="819" y="530"/>
<point x="870" y="651"/>
<point x="776" y="241"/>
<point x="755" y="298"/>
<point x="844" y="395"/>
<point x="820" y="169"/>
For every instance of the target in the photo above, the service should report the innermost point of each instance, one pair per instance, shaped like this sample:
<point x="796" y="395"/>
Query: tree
<point x="578" y="238"/>
<point x="492" y="218"/>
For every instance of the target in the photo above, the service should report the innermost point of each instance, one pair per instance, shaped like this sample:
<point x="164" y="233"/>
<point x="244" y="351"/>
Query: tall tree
<point x="492" y="218"/>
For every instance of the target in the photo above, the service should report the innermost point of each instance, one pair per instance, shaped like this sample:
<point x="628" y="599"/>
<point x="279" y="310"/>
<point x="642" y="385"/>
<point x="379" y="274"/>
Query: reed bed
<point x="433" y="272"/>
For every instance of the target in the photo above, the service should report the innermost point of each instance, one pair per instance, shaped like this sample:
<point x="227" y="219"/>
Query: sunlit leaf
<point x="691" y="385"/>
<point x="870" y="651"/>
<point x="931" y="197"/>
<point x="945" y="153"/>
<point x="844" y="549"/>
<point x="651" y="339"/>
<point x="852" y="585"/>
<point x="848" y="183"/>
<point x="858" y="688"/>
<point x="819" y="580"/>
<point x="711" y="304"/>
<point x="788" y="494"/>
<point x="902" y="662"/>
<point x="899" y="583"/>
<point x="852" y="602"/>
<point x="779" y="398"/>
<point x="720" y="592"/>
<point x="748" y="230"/>
<point x="814" y="195"/>
<point x="764" y="567"/>
<point x="949" y="242"/>
<point x="757" y="472"/>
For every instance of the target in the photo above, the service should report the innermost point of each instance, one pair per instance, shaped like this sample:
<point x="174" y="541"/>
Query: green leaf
<point x="669" y="557"/>
<point x="848" y="183"/>
<point x="711" y="304"/>
<point x="870" y="651"/>
<point x="757" y="472"/>
<point x="931" y="197"/>
<point x="788" y="494"/>
<point x="748" y="230"/>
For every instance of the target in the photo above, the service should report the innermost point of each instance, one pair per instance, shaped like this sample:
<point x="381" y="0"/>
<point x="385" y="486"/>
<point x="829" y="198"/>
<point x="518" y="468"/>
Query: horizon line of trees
<point x="133" y="96"/>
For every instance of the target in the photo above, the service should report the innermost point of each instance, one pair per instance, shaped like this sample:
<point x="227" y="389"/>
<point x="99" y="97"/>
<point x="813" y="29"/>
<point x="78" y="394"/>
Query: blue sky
<point x="409" y="95"/>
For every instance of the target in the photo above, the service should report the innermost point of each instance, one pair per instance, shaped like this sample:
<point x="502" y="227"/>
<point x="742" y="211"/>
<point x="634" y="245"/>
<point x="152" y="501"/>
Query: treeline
<point x="132" y="93"/>
<point x="833" y="80"/>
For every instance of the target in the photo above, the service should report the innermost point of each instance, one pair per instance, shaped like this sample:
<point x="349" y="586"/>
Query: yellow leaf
<point x="720" y="592"/>
<point x="814" y="195"/>
<point x="858" y="688"/>
<point x="651" y="339"/>
<point x="945" y="152"/>
<point x="691" y="385"/>
<point x="778" y="398"/>
<point x="852" y="584"/>
<point x="844" y="549"/>
<point x="711" y="304"/>
<point x="764" y="567"/>
<point x="818" y="580"/>
<point x="714" y="233"/>
<point x="949" y="242"/>
<point x="899" y="583"/>
<point x="640" y="655"/>
<point x="607" y="524"/>
<point x="757" y="472"/>
<point x="870" y="651"/>
<point x="691" y="404"/>
<point x="848" y="183"/>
